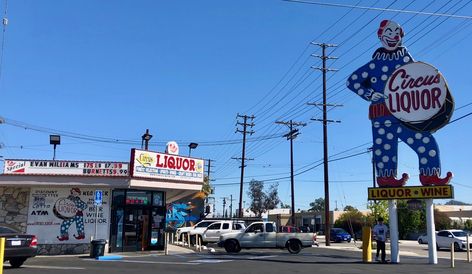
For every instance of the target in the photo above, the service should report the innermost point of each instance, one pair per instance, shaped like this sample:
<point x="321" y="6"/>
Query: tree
<point x="454" y="202"/>
<point x="377" y="209"/>
<point x="349" y="208"/>
<point x="352" y="220"/>
<point x="441" y="220"/>
<point x="409" y="221"/>
<point x="318" y="205"/>
<point x="206" y="187"/>
<point x="260" y="200"/>
<point x="282" y="205"/>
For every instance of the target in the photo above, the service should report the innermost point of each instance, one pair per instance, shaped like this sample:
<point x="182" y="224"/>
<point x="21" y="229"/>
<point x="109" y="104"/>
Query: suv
<point x="214" y="231"/>
<point x="183" y="232"/>
<point x="445" y="238"/>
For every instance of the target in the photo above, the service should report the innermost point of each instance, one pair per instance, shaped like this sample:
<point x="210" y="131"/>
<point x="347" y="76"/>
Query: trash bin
<point x="97" y="248"/>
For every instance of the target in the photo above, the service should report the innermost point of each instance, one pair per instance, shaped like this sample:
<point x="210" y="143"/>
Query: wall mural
<point x="67" y="215"/>
<point x="185" y="212"/>
<point x="410" y="100"/>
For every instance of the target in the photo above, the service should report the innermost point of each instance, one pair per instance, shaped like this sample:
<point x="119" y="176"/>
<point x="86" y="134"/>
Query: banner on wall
<point x="71" y="168"/>
<point x="155" y="165"/>
<point x="67" y="215"/>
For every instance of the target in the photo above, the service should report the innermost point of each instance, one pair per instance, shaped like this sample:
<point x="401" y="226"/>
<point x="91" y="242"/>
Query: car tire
<point x="457" y="247"/>
<point x="437" y="247"/>
<point x="420" y="241"/>
<point x="17" y="262"/>
<point x="232" y="246"/>
<point x="349" y="240"/>
<point x="294" y="246"/>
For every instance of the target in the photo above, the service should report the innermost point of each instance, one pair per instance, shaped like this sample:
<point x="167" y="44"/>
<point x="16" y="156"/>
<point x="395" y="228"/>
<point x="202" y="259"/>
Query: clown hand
<point x="376" y="96"/>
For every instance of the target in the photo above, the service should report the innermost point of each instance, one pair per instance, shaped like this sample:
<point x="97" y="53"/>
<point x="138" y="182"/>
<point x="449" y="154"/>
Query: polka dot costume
<point x="78" y="219"/>
<point x="387" y="130"/>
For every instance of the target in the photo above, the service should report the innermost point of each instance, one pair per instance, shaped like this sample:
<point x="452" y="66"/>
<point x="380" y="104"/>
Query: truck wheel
<point x="17" y="262"/>
<point x="294" y="247"/>
<point x="232" y="246"/>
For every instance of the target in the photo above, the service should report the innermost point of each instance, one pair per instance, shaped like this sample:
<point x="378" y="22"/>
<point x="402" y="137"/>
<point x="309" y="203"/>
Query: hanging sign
<point x="155" y="165"/>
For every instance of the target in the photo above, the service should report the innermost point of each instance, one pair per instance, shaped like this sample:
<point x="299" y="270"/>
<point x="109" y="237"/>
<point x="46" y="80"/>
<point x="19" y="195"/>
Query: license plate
<point x="15" y="243"/>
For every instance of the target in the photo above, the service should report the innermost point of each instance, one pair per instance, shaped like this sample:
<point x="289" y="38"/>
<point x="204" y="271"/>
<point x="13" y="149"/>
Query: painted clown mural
<point x="409" y="101"/>
<point x="71" y="212"/>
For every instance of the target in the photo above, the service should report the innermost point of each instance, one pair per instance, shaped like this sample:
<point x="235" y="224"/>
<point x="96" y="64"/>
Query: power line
<point x="379" y="9"/>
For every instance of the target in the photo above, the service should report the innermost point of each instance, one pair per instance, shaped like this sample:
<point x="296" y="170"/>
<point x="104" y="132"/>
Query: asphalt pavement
<point x="334" y="259"/>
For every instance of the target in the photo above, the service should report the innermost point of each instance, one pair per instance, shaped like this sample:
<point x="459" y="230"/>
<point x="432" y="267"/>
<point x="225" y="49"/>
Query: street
<point x="339" y="258"/>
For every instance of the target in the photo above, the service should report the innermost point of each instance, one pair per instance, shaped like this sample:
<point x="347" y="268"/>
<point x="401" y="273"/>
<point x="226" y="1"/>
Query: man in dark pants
<point x="380" y="234"/>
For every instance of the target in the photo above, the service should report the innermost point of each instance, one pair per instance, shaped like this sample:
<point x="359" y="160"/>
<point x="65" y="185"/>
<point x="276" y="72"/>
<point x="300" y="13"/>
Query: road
<point x="340" y="258"/>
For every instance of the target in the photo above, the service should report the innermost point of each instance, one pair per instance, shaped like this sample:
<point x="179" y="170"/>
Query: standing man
<point x="380" y="234"/>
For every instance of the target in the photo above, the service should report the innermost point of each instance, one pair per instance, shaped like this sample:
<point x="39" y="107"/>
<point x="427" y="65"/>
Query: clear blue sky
<point x="184" y="69"/>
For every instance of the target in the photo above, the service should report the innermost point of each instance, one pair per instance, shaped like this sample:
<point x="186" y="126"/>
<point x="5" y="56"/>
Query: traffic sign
<point x="98" y="197"/>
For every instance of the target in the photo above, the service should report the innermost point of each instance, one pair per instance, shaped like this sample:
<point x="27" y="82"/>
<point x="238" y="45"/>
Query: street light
<point x="54" y="140"/>
<point x="145" y="139"/>
<point x="190" y="147"/>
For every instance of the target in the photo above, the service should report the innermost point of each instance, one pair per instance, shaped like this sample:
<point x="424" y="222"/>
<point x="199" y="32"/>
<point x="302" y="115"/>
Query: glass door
<point x="136" y="229"/>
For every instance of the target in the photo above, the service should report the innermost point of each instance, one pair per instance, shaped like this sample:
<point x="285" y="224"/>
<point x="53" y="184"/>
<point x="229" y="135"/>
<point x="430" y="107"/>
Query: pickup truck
<point x="264" y="235"/>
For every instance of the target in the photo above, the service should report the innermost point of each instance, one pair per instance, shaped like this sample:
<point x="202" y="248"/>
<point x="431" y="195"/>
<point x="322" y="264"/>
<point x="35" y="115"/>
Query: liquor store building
<point x="66" y="204"/>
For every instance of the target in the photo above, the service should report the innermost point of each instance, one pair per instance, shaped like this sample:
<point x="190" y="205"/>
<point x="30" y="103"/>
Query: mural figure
<point x="369" y="82"/>
<point x="71" y="211"/>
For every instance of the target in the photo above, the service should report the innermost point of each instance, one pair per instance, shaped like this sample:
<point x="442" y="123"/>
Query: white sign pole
<point x="431" y="228"/>
<point x="393" y="221"/>
<point x="96" y="220"/>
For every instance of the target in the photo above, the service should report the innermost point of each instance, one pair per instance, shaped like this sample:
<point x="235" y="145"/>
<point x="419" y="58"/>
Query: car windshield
<point x="6" y="230"/>
<point x="339" y="231"/>
<point x="459" y="234"/>
<point x="204" y="224"/>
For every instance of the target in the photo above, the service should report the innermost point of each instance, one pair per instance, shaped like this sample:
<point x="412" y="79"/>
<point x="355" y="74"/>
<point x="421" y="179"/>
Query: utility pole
<point x="244" y="131"/>
<point x="231" y="206"/>
<point x="292" y="134"/>
<point x="224" y="207"/>
<point x="325" y="121"/>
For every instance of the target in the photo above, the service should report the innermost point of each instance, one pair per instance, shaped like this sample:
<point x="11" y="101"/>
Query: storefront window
<point x="157" y="199"/>
<point x="138" y="198"/>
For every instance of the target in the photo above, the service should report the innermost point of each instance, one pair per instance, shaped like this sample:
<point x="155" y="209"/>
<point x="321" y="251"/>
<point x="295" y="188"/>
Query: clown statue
<point x="369" y="82"/>
<point x="78" y="218"/>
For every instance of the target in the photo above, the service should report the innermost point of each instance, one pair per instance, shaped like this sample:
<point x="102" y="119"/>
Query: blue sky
<point x="184" y="69"/>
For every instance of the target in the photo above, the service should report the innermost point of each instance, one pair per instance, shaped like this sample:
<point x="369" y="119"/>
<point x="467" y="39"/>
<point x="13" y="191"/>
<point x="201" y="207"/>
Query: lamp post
<point x="54" y="140"/>
<point x="190" y="147"/>
<point x="145" y="139"/>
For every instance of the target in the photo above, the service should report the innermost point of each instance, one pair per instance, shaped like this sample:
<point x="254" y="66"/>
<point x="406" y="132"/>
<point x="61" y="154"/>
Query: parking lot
<point x="339" y="258"/>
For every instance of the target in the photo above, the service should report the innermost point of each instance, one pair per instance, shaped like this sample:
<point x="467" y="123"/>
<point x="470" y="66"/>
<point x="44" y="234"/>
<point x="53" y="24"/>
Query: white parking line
<point x="153" y="262"/>
<point x="53" y="267"/>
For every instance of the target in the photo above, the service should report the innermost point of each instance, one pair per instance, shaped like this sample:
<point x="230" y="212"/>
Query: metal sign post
<point x="98" y="202"/>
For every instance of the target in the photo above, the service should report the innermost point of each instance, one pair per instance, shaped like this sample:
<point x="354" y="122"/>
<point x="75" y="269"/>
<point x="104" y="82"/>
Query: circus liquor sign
<point x="417" y="94"/>
<point x="147" y="164"/>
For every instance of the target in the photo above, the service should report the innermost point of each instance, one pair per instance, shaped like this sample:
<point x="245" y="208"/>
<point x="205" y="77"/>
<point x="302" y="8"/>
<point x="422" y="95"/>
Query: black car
<point x="18" y="246"/>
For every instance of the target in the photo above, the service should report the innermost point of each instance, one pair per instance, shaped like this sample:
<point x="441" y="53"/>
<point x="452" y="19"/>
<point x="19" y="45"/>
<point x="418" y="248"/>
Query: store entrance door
<point x="136" y="229"/>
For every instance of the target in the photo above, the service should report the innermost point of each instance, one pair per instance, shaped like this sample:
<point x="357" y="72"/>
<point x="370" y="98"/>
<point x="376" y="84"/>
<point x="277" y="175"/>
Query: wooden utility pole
<point x="244" y="131"/>
<point x="325" y="121"/>
<point x="292" y="134"/>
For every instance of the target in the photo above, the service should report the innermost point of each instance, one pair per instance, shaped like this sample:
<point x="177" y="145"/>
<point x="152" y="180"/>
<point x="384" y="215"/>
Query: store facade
<point x="56" y="200"/>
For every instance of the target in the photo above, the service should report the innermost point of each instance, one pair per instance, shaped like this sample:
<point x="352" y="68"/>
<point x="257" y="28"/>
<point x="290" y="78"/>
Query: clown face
<point x="390" y="34"/>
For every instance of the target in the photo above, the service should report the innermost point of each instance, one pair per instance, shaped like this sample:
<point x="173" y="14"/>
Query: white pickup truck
<point x="264" y="235"/>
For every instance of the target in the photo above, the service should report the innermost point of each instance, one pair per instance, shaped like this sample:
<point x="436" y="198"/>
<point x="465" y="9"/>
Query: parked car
<point x="423" y="238"/>
<point x="215" y="230"/>
<point x="264" y="235"/>
<point x="338" y="235"/>
<point x="445" y="238"/>
<point x="183" y="232"/>
<point x="18" y="246"/>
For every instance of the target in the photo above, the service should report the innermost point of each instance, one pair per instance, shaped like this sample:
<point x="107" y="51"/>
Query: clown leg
<point x="385" y="151"/>
<point x="79" y="225"/>
<point x="425" y="146"/>
<point x="65" y="230"/>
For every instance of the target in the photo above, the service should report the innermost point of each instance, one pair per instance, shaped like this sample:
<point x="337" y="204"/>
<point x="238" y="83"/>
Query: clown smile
<point x="390" y="42"/>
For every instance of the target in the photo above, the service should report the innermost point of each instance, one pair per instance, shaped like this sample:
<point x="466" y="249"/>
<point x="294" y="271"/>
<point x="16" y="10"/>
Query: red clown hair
<point x="383" y="24"/>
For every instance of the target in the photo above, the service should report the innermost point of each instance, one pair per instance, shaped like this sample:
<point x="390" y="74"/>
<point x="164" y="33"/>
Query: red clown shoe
<point x="391" y="181"/>
<point x="435" y="180"/>
<point x="63" y="238"/>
